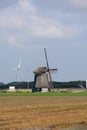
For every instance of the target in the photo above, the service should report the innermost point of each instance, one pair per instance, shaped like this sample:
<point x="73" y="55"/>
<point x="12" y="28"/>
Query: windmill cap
<point x="40" y="70"/>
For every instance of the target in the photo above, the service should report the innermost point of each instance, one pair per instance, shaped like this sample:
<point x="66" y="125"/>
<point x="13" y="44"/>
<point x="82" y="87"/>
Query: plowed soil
<point x="42" y="112"/>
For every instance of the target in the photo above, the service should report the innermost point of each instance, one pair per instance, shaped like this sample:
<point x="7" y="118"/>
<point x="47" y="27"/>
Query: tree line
<point x="30" y="85"/>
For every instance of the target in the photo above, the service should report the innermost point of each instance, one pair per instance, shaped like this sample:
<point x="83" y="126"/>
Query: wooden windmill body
<point x="42" y="78"/>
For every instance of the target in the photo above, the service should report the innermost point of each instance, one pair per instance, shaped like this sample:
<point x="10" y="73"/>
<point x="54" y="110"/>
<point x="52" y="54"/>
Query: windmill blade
<point x="51" y="83"/>
<point x="46" y="58"/>
<point x="53" y="70"/>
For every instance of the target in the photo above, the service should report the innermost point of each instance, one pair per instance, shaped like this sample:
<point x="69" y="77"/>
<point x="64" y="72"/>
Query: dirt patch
<point x="42" y="112"/>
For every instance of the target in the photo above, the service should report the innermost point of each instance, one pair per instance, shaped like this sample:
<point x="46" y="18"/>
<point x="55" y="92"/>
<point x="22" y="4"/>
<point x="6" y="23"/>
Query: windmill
<point x="42" y="78"/>
<point x="18" y="70"/>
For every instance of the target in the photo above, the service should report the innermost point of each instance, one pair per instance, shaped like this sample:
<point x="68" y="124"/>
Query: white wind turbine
<point x="18" y="70"/>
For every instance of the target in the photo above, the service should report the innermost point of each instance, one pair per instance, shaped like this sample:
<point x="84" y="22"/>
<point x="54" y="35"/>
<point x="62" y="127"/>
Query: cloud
<point x="11" y="40"/>
<point x="15" y="41"/>
<point x="79" y="3"/>
<point x="26" y="6"/>
<point x="23" y="21"/>
<point x="53" y="31"/>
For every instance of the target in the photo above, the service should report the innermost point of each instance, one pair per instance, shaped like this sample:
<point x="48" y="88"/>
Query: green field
<point x="43" y="94"/>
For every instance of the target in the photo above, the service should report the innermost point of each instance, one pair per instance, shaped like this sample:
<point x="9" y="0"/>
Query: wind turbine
<point x="18" y="70"/>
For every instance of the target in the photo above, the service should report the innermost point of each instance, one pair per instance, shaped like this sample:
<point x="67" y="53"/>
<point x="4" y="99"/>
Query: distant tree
<point x="30" y="85"/>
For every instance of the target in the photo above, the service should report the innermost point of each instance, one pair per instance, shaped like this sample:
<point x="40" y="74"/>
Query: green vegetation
<point x="43" y="94"/>
<point x="71" y="84"/>
<point x="18" y="85"/>
<point x="57" y="86"/>
<point x="25" y="85"/>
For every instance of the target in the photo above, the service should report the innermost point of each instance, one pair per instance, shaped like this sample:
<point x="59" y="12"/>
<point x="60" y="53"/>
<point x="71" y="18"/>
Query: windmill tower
<point x="42" y="78"/>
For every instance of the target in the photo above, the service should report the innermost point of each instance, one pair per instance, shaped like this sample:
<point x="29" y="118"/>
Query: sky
<point x="29" y="26"/>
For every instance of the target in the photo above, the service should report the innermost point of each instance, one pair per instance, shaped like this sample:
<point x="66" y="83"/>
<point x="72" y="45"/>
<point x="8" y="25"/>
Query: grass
<point x="43" y="94"/>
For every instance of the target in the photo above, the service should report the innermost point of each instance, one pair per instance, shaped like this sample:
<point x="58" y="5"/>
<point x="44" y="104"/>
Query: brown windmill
<point x="42" y="79"/>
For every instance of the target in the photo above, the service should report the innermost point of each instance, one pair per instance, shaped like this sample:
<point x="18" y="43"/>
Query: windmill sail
<point x="51" y="83"/>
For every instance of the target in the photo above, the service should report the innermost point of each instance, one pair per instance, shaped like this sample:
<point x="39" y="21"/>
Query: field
<point x="57" y="93"/>
<point x="49" y="110"/>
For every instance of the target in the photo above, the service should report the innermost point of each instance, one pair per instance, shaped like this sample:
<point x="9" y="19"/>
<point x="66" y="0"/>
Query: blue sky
<point x="29" y="26"/>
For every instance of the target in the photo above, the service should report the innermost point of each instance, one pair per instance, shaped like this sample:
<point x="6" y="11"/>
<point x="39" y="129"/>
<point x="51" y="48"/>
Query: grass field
<point x="43" y="94"/>
<point x="42" y="110"/>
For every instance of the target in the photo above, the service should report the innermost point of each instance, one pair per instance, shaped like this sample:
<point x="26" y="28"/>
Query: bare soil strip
<point x="42" y="112"/>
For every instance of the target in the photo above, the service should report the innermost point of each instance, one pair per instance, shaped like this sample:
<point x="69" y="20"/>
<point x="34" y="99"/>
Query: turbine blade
<point x="19" y="64"/>
<point x="14" y="68"/>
